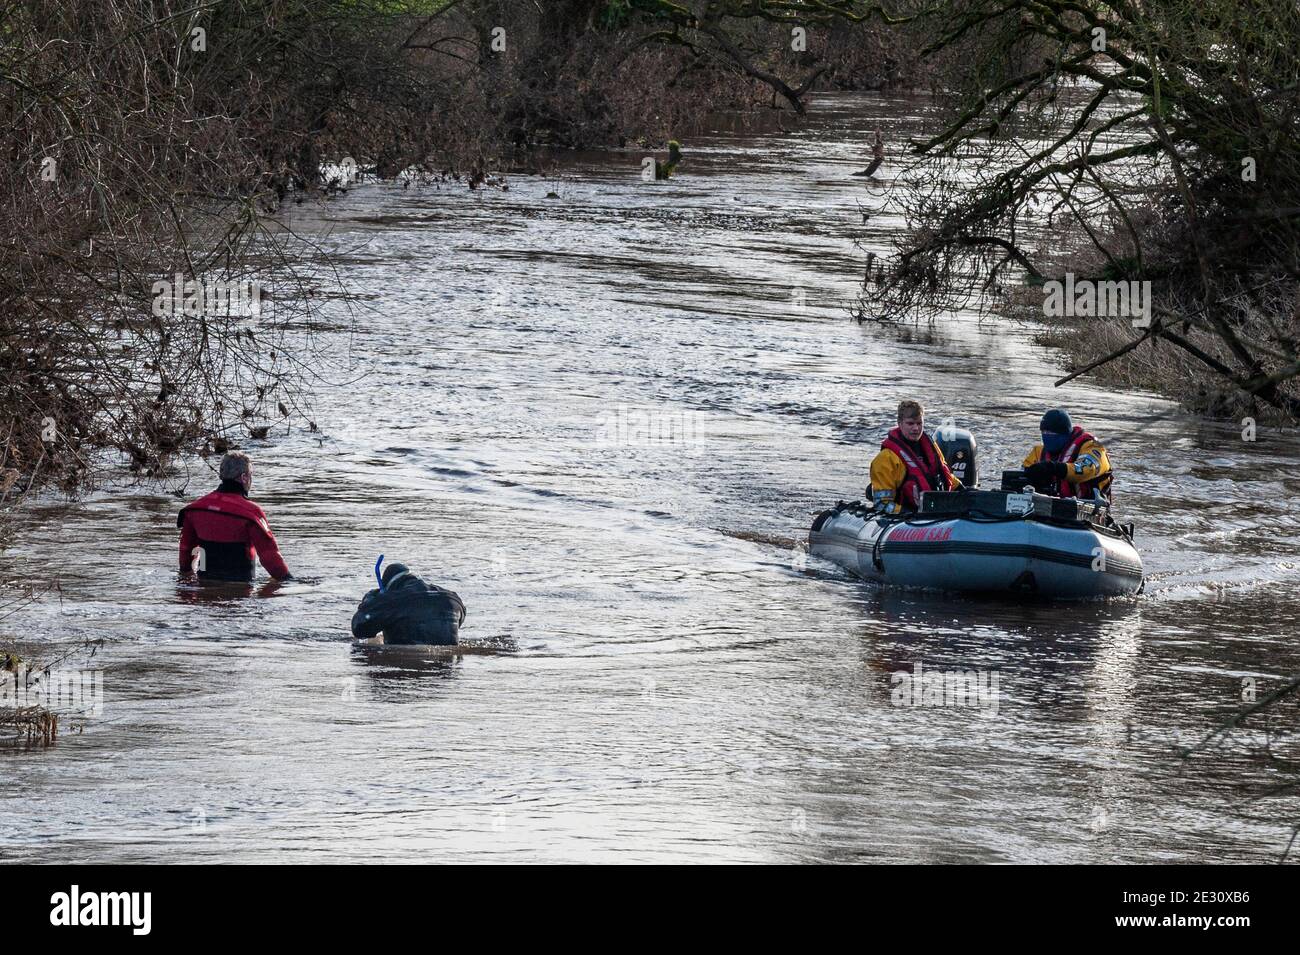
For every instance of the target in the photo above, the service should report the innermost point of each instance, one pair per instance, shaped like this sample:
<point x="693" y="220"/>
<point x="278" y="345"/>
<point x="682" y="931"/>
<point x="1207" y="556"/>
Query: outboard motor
<point x="958" y="447"/>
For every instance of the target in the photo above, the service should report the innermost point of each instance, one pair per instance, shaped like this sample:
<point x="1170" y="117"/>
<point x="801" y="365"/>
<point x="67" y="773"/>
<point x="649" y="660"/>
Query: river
<point x="606" y="419"/>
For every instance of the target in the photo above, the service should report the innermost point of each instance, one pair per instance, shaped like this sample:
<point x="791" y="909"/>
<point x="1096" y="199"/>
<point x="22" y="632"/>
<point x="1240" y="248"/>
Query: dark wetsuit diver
<point x="409" y="611"/>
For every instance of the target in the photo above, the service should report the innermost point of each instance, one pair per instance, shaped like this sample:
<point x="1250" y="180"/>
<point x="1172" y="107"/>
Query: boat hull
<point x="1009" y="556"/>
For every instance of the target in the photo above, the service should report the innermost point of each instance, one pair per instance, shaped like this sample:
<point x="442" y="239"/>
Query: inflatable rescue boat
<point x="1013" y="540"/>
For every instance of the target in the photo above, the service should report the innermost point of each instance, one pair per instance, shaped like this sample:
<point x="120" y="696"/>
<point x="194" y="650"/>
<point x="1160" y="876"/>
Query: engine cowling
<point x="958" y="447"/>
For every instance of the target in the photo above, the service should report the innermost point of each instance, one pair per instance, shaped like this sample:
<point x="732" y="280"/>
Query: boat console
<point x="1012" y="504"/>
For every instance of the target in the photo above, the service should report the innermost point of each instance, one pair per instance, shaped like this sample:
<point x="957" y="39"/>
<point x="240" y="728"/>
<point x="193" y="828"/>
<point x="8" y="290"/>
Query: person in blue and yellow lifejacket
<point x="909" y="463"/>
<point x="1069" y="462"/>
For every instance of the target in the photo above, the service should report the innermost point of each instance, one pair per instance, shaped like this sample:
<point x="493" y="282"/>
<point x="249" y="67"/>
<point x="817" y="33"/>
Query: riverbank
<point x="1163" y="173"/>
<point x="1112" y="338"/>
<point x="1157" y="366"/>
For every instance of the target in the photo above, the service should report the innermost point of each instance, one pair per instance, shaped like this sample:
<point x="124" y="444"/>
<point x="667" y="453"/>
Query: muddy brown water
<point x="604" y="419"/>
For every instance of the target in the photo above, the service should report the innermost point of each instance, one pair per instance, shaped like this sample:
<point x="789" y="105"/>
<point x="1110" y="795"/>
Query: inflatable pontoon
<point x="1012" y="541"/>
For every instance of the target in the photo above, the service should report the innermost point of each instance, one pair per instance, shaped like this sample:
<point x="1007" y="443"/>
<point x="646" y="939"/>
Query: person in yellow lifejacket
<point x="1069" y="462"/>
<point x="909" y="463"/>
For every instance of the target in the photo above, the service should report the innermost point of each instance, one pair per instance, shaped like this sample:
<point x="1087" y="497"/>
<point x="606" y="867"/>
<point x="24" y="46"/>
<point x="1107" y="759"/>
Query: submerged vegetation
<point x="22" y="724"/>
<point x="27" y="727"/>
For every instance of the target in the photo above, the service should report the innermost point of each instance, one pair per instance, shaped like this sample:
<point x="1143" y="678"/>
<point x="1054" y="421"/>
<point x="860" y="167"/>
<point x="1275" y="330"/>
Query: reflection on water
<point x="224" y="592"/>
<point x="606" y="421"/>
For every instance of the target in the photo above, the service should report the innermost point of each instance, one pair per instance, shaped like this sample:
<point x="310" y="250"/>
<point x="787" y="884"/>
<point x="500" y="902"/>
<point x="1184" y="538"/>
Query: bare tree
<point x="1163" y="134"/>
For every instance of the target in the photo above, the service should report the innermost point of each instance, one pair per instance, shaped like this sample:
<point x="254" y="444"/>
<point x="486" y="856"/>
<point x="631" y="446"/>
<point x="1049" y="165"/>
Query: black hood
<point x="393" y="572"/>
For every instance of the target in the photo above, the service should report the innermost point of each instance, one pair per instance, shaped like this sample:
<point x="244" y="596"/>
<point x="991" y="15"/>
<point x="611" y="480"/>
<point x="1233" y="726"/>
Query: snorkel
<point x="378" y="576"/>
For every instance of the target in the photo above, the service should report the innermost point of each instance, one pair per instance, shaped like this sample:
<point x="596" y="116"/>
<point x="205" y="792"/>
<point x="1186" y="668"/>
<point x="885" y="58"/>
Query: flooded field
<point x="606" y="420"/>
